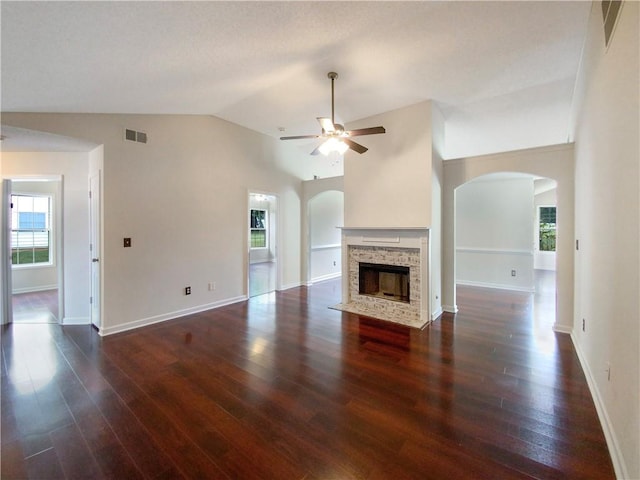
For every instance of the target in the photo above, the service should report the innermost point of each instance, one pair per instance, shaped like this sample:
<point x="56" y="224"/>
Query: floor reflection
<point x="34" y="343"/>
<point x="35" y="307"/>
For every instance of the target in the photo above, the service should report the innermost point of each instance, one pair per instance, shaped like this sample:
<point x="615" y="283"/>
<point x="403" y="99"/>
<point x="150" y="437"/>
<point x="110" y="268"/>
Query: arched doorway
<point x="505" y="238"/>
<point x="553" y="162"/>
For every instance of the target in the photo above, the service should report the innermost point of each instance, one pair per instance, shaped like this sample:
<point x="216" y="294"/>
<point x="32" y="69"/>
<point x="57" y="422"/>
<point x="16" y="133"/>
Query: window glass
<point x="30" y="230"/>
<point x="547" y="229"/>
<point x="258" y="228"/>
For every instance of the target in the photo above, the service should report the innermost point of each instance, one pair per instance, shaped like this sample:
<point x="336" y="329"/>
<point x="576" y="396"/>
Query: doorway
<point x="505" y="226"/>
<point x="34" y="224"/>
<point x="262" y="241"/>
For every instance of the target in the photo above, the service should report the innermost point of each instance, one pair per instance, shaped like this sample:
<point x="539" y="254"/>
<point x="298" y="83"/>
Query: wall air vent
<point x="134" y="136"/>
<point x="610" y="11"/>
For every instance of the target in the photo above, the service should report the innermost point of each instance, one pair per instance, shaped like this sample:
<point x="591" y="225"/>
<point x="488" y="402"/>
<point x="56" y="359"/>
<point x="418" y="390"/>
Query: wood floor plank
<point x="281" y="386"/>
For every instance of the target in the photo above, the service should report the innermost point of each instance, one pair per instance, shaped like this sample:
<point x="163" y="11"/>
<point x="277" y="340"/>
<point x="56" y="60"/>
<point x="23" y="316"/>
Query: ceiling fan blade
<point x="298" y="137"/>
<point x="316" y="150"/>
<point x="356" y="147"/>
<point x="366" y="131"/>
<point x="326" y="124"/>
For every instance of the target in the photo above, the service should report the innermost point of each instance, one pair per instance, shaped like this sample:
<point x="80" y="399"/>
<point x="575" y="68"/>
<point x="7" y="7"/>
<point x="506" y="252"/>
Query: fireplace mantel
<point x="395" y="246"/>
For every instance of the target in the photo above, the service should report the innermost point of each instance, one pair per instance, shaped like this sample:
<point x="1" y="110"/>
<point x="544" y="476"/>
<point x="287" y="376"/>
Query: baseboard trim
<point x="76" y="321"/>
<point x="322" y="278"/>
<point x="436" y="314"/>
<point x="43" y="288"/>
<point x="289" y="285"/>
<point x="609" y="434"/>
<point x="450" y="308"/>
<point x="497" y="286"/>
<point x="104" y="331"/>
<point x="562" y="329"/>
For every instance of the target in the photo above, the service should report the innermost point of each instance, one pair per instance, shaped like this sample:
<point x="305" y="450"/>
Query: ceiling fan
<point x="336" y="137"/>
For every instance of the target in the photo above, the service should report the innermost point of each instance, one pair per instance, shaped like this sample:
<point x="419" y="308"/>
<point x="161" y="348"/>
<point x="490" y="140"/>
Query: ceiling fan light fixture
<point x="333" y="145"/>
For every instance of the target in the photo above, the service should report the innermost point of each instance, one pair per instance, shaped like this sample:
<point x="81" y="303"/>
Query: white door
<point x="94" y="246"/>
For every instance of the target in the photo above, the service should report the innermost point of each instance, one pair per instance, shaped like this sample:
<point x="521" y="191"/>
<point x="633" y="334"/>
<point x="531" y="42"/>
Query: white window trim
<point x="52" y="230"/>
<point x="266" y="228"/>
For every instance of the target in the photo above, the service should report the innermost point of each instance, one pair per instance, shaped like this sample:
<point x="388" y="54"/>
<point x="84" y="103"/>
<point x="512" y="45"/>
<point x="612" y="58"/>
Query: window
<point x="547" y="229"/>
<point x="31" y="230"/>
<point x="258" y="228"/>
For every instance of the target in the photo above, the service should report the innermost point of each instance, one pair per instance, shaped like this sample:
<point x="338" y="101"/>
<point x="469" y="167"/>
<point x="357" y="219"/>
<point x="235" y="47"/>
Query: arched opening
<point x="505" y="225"/>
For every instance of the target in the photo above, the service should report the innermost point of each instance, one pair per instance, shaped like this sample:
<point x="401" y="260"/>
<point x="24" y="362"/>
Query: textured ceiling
<point x="502" y="72"/>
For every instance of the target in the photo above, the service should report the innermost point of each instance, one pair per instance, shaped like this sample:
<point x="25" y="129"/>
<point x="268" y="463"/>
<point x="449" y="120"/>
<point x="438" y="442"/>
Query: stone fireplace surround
<point x="407" y="247"/>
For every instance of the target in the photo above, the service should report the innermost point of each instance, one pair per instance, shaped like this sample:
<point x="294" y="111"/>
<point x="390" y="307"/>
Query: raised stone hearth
<point x="392" y="248"/>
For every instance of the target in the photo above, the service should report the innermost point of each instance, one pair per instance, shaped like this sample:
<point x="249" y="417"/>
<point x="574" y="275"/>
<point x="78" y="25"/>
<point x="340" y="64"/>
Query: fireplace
<point x="385" y="281"/>
<point x="385" y="274"/>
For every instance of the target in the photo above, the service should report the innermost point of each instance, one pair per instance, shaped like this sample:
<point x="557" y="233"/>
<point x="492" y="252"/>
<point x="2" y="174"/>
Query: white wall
<point x="435" y="232"/>
<point x="310" y="189"/>
<point x="182" y="198"/>
<point x="36" y="278"/>
<point x="494" y="233"/>
<point x="607" y="227"/>
<point x="390" y="185"/>
<point x="76" y="260"/>
<point x="326" y="214"/>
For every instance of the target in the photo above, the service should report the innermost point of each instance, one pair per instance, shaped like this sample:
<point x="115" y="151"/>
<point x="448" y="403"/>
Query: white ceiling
<point x="503" y="73"/>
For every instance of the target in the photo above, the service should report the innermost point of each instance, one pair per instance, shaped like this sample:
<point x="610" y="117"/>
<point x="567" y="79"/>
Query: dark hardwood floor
<point x="36" y="307"/>
<point x="283" y="387"/>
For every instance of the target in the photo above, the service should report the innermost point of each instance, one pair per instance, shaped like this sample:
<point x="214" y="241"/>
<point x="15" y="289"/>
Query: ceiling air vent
<point x="134" y="136"/>
<point x="610" y="11"/>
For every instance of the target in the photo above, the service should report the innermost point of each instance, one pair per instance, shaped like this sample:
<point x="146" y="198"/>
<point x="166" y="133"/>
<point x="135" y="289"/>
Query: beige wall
<point x="390" y="185"/>
<point x="73" y="228"/>
<point x="607" y="226"/>
<point x="182" y="198"/>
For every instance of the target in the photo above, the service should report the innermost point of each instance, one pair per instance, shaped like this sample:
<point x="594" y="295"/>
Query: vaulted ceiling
<point x="503" y="73"/>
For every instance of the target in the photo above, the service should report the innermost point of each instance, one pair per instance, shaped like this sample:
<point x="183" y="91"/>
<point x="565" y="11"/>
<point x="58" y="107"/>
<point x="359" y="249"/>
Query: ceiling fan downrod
<point x="332" y="76"/>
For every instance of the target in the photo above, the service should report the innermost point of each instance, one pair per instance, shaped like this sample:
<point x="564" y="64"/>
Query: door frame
<point x="95" y="247"/>
<point x="58" y="242"/>
<point x="275" y="226"/>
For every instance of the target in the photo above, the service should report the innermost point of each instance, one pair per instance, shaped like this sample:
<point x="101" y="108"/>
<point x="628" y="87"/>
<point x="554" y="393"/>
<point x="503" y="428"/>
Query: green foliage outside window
<point x="547" y="229"/>
<point x="258" y="228"/>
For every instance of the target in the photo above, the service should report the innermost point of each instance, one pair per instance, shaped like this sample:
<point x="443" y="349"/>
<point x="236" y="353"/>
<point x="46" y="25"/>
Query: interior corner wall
<point x="182" y="199"/>
<point x="494" y="234"/>
<point x="607" y="228"/>
<point x="311" y="188"/>
<point x="326" y="214"/>
<point x="74" y="169"/>
<point x="435" y="232"/>
<point x="390" y="184"/>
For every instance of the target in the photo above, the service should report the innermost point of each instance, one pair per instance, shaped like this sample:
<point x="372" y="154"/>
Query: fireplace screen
<point x="384" y="281"/>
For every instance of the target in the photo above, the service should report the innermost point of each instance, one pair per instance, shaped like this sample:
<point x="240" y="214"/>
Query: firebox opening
<point x="384" y="281"/>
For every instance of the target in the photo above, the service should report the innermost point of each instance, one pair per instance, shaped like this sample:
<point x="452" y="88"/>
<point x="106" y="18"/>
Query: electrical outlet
<point x="334" y="263"/>
<point x="212" y="286"/>
<point x="608" y="370"/>
<point x="187" y="290"/>
<point x="127" y="242"/>
<point x="583" y="325"/>
<point x="513" y="273"/>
